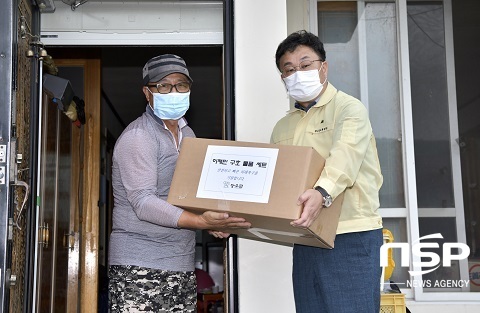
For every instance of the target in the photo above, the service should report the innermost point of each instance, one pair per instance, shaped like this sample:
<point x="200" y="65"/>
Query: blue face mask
<point x="170" y="106"/>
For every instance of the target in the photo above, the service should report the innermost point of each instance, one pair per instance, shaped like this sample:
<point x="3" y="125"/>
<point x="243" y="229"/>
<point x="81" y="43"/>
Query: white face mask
<point x="304" y="86"/>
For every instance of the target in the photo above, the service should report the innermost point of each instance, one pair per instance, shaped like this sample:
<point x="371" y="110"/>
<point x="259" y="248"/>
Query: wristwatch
<point x="327" y="198"/>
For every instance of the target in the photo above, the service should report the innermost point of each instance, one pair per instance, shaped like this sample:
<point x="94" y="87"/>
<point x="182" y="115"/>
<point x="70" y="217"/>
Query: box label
<point x="237" y="173"/>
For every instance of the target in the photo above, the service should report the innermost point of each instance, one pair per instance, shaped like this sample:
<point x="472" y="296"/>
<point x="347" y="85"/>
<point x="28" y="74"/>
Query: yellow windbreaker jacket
<point x="339" y="129"/>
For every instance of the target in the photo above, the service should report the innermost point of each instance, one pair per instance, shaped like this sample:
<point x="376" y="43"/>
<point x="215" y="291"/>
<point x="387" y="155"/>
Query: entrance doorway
<point x="122" y="101"/>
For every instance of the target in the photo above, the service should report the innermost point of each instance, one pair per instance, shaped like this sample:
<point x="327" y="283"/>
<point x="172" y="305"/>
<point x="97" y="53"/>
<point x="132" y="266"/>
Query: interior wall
<point x="122" y="85"/>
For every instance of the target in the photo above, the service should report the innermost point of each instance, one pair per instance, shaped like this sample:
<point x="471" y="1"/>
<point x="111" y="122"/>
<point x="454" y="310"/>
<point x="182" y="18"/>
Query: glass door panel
<point x="384" y="98"/>
<point x="62" y="229"/>
<point x="367" y="60"/>
<point x="337" y="29"/>
<point x="437" y="157"/>
<point x="55" y="209"/>
<point x="443" y="278"/>
<point x="47" y="205"/>
<point x="431" y="123"/>
<point x="385" y="116"/>
<point x="360" y="40"/>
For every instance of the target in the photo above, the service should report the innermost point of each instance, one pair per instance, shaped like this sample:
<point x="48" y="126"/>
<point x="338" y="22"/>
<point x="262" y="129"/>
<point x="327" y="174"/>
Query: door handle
<point x="44" y="235"/>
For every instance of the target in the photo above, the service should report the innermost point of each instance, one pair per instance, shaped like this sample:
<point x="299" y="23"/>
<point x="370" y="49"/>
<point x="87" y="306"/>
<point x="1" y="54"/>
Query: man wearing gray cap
<point x="152" y="244"/>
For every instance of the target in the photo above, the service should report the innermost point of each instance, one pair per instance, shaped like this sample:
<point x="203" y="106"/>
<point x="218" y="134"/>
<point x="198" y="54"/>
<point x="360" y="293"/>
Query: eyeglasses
<point x="303" y="66"/>
<point x="181" y="87"/>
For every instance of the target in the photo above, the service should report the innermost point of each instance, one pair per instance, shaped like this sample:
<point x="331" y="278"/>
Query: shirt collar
<point x="327" y="95"/>
<point x="300" y="107"/>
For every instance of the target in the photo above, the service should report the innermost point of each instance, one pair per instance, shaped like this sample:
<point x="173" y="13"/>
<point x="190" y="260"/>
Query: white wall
<point x="260" y="98"/>
<point x="264" y="273"/>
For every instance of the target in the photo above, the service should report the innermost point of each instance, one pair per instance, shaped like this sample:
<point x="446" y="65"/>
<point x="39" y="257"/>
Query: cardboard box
<point x="260" y="182"/>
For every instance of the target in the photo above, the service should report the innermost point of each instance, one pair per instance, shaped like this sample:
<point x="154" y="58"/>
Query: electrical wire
<point x="23" y="184"/>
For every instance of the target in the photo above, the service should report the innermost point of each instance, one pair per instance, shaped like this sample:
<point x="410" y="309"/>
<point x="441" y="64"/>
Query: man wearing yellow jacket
<point x="347" y="277"/>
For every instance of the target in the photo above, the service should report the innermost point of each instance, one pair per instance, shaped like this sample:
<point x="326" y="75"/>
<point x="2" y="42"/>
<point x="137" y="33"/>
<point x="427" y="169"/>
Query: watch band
<point x="327" y="198"/>
<point x="322" y="191"/>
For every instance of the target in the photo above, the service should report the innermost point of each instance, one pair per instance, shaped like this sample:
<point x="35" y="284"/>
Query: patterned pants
<point x="139" y="289"/>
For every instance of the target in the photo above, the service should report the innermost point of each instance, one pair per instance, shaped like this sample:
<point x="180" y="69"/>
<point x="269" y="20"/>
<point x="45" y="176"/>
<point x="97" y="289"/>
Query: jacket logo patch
<point x="321" y="129"/>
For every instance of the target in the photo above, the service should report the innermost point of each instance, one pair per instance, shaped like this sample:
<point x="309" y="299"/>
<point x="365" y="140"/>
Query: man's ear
<point x="146" y="92"/>
<point x="325" y="67"/>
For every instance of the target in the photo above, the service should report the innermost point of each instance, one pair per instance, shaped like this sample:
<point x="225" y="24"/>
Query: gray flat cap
<point x="160" y="66"/>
